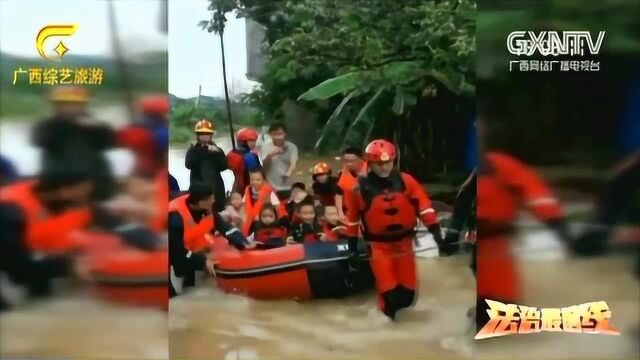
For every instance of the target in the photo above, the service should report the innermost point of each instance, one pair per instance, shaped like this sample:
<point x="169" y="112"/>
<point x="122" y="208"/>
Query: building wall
<point x="255" y="58"/>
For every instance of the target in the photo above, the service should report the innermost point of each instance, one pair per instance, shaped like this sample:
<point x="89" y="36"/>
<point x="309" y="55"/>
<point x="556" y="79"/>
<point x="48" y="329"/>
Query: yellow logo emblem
<point x="61" y="30"/>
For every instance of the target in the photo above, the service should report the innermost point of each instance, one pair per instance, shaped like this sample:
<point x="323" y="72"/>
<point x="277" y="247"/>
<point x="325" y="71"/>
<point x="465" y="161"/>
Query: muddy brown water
<point x="208" y="324"/>
<point x="77" y="326"/>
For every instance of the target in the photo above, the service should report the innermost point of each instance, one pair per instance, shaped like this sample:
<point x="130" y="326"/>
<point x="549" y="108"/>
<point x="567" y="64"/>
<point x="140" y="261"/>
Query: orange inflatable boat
<point x="300" y="272"/>
<point x="125" y="275"/>
<point x="133" y="277"/>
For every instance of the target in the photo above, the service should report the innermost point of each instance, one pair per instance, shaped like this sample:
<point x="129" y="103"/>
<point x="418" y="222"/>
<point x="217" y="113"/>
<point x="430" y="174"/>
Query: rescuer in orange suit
<point x="141" y="138"/>
<point x="243" y="159"/>
<point x="191" y="221"/>
<point x="39" y="218"/>
<point x="346" y="204"/>
<point x="389" y="203"/>
<point x="504" y="186"/>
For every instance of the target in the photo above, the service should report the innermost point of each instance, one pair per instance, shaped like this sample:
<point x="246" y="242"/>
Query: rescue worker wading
<point x="389" y="203"/>
<point x="191" y="222"/>
<point x="243" y="159"/>
<point x="206" y="160"/>
<point x="72" y="137"/>
<point x="39" y="219"/>
<point x="504" y="184"/>
<point x="324" y="185"/>
<point x="345" y="201"/>
<point x="141" y="138"/>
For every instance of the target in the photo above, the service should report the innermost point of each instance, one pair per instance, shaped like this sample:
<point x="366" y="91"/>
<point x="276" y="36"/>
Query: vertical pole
<point x="122" y="67"/>
<point x="226" y="91"/>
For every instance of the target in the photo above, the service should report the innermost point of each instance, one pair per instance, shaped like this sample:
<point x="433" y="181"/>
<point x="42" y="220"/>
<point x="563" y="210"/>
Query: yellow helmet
<point x="322" y="169"/>
<point x="70" y="94"/>
<point x="204" y="126"/>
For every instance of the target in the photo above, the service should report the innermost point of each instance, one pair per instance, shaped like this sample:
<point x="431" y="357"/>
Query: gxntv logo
<point x="553" y="43"/>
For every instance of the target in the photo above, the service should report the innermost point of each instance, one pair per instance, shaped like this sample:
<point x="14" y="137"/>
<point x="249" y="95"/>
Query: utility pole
<point x="226" y="90"/>
<point x="199" y="95"/>
<point x="122" y="66"/>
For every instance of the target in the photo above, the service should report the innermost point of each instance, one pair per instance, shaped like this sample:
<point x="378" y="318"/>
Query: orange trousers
<point x="497" y="275"/>
<point x="393" y="264"/>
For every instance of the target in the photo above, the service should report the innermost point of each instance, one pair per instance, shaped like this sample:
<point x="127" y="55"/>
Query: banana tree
<point x="367" y="68"/>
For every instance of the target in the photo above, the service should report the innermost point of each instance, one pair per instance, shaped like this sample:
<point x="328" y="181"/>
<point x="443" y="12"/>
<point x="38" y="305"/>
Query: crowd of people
<point x="45" y="216"/>
<point x="369" y="199"/>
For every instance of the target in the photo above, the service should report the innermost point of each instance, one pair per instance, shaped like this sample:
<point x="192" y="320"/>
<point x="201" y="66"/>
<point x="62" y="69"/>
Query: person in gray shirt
<point x="279" y="159"/>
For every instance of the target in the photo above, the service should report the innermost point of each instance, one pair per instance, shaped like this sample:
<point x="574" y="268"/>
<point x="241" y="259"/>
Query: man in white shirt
<point x="279" y="158"/>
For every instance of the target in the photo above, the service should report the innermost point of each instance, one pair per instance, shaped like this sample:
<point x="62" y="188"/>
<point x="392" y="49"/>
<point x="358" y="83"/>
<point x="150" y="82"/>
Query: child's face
<point x="267" y="217"/>
<point x="256" y="180"/>
<point x="236" y="200"/>
<point x="299" y="195"/>
<point x="322" y="178"/>
<point x="331" y="215"/>
<point x="307" y="214"/>
<point x="294" y="192"/>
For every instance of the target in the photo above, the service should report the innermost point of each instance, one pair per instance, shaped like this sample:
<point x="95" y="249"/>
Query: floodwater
<point x="77" y="326"/>
<point x="208" y="324"/>
<point x="73" y="324"/>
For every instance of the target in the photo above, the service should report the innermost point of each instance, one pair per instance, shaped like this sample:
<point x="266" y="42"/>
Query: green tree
<point x="399" y="69"/>
<point x="184" y="117"/>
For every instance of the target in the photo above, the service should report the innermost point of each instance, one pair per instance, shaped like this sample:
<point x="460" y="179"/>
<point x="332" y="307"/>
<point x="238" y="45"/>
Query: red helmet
<point x="380" y="151"/>
<point x="247" y="134"/>
<point x="155" y="105"/>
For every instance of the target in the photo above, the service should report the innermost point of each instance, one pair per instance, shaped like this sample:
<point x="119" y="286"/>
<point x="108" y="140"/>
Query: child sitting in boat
<point x="307" y="230"/>
<point x="324" y="185"/>
<point x="258" y="193"/>
<point x="331" y="227"/>
<point x="269" y="232"/>
<point x="138" y="202"/>
<point x="234" y="212"/>
<point x="298" y="193"/>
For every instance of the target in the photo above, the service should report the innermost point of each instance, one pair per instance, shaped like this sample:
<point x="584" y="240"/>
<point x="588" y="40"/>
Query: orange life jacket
<point x="235" y="161"/>
<point x="505" y="185"/>
<point x="195" y="234"/>
<point x="159" y="222"/>
<point x="253" y="209"/>
<point x="274" y="236"/>
<point x="389" y="214"/>
<point x="140" y="141"/>
<point x="309" y="235"/>
<point x="332" y="235"/>
<point x="349" y="200"/>
<point x="46" y="233"/>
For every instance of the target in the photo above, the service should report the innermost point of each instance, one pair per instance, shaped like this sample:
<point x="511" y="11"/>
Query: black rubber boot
<point x="404" y="297"/>
<point x="391" y="303"/>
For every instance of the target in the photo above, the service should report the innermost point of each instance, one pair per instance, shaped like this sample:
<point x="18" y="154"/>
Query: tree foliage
<point x="364" y="66"/>
<point x="184" y="117"/>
